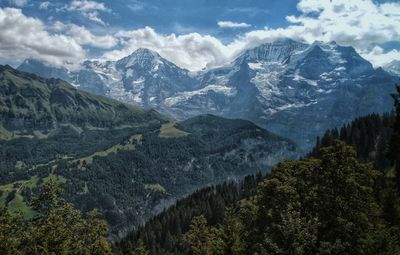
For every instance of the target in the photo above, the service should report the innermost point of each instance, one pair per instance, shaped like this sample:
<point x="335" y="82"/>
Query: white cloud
<point x="363" y="24"/>
<point x="230" y="24"/>
<point x="84" y="37"/>
<point x="22" y="37"/>
<point x="86" y="5"/>
<point x="379" y="57"/>
<point x="89" y="9"/>
<point x="44" y="5"/>
<point x="94" y="16"/>
<point x="360" y="23"/>
<point x="192" y="51"/>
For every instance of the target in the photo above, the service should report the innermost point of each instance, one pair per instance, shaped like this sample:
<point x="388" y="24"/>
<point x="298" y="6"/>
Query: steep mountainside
<point x="294" y="89"/>
<point x="143" y="78"/>
<point x="29" y="102"/>
<point x="127" y="162"/>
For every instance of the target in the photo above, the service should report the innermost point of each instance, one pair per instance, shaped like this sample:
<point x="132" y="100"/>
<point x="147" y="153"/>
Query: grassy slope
<point x="28" y="96"/>
<point x="169" y="130"/>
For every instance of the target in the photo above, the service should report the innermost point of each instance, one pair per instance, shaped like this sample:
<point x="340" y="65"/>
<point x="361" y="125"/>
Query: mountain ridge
<point x="271" y="85"/>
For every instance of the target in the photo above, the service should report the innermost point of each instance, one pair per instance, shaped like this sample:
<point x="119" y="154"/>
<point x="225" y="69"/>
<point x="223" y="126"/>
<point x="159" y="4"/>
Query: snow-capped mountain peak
<point x="141" y="57"/>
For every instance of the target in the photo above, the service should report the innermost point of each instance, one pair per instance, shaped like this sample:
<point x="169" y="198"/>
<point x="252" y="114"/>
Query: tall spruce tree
<point x="395" y="141"/>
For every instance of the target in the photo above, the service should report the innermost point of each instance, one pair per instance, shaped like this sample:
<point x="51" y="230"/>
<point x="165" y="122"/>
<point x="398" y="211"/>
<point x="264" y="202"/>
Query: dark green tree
<point x="395" y="141"/>
<point x="58" y="228"/>
<point x="200" y="239"/>
<point x="11" y="232"/>
<point x="319" y="206"/>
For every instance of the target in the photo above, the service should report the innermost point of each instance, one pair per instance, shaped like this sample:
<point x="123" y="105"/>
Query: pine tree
<point x="395" y="141"/>
<point x="199" y="239"/>
<point x="10" y="232"/>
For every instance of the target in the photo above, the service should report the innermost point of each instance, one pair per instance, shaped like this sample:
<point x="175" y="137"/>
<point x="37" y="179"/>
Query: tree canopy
<point x="56" y="228"/>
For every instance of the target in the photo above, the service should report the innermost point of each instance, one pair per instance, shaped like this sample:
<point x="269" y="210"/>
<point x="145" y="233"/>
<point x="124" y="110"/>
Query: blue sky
<point x="192" y="33"/>
<point x="170" y="16"/>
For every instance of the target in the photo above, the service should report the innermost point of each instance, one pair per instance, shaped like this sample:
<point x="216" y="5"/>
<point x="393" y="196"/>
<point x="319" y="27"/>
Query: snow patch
<point x="138" y="81"/>
<point x="184" y="96"/>
<point x="255" y="66"/>
<point x="298" y="77"/>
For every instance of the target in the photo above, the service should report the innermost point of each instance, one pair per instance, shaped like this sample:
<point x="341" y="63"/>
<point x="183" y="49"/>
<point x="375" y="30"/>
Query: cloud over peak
<point x="192" y="51"/>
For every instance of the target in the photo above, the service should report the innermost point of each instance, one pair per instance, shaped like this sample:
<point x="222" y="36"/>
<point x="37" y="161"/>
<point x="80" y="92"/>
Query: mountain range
<point x="294" y="89"/>
<point x="127" y="162"/>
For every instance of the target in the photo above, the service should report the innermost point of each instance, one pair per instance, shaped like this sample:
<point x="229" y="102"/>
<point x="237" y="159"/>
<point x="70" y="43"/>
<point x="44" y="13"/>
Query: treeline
<point x="343" y="198"/>
<point x="370" y="137"/>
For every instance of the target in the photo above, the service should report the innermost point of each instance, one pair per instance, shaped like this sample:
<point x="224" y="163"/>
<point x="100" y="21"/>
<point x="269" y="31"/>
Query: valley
<point x="126" y="162"/>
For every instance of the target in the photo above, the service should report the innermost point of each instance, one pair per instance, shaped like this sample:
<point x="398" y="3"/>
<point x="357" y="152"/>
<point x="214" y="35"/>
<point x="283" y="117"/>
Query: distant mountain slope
<point x="294" y="89"/>
<point x="143" y="78"/>
<point x="31" y="102"/>
<point x="127" y="162"/>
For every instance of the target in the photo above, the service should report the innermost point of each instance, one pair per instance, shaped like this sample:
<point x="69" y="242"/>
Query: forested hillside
<point x="338" y="200"/>
<point x="128" y="163"/>
<point x="163" y="233"/>
<point x="369" y="136"/>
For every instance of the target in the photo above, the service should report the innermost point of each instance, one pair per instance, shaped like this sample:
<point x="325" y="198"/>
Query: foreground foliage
<point x="163" y="234"/>
<point x="56" y="228"/>
<point x="312" y="206"/>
